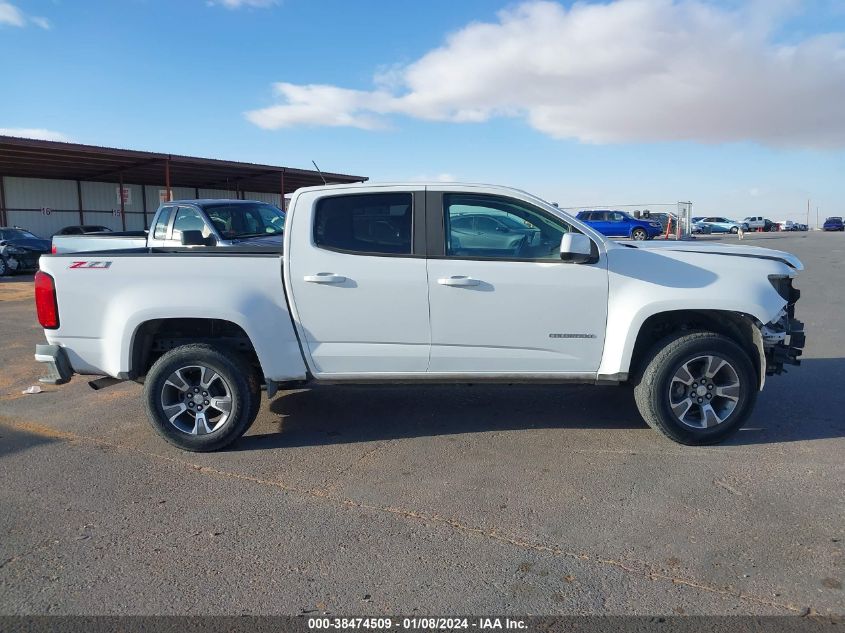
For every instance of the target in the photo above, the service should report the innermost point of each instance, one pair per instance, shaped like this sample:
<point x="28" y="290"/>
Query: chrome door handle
<point x="458" y="281"/>
<point x="325" y="278"/>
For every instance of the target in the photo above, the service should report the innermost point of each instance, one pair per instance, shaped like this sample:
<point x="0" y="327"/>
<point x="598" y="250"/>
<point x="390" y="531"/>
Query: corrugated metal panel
<point x="40" y="224"/>
<point x="36" y="193"/>
<point x="178" y="193"/>
<point x="102" y="196"/>
<point x="135" y="221"/>
<point x="272" y="198"/>
<point x="217" y="193"/>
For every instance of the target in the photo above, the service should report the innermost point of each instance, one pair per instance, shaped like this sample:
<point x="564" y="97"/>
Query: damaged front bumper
<point x="784" y="338"/>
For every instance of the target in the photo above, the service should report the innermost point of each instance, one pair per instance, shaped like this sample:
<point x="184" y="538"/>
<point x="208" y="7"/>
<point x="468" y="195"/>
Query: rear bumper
<point x="58" y="367"/>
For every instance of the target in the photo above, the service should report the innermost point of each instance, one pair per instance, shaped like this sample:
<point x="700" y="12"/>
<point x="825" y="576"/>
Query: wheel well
<point x="735" y="325"/>
<point x="156" y="337"/>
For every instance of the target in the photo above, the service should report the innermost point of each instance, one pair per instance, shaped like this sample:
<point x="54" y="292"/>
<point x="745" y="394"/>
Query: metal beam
<point x="120" y="170"/>
<point x="3" y="220"/>
<point x="122" y="205"/>
<point x="218" y="184"/>
<point x="79" y="202"/>
<point x="144" y="202"/>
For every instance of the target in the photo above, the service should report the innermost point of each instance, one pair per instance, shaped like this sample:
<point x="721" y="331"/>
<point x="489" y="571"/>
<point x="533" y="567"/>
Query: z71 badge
<point x="89" y="265"/>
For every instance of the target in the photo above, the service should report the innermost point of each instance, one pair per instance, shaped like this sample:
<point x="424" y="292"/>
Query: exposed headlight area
<point x="781" y="351"/>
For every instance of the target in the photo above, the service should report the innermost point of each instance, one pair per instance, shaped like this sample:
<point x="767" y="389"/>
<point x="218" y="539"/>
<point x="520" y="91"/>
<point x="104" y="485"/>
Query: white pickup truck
<point x="424" y="283"/>
<point x="189" y="223"/>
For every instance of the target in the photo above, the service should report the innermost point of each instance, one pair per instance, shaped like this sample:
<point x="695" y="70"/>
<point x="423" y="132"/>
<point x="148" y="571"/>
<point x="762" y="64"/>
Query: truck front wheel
<point x="696" y="388"/>
<point x="199" y="398"/>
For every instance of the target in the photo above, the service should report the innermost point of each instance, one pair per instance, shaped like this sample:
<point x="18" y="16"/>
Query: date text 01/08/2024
<point x="416" y="623"/>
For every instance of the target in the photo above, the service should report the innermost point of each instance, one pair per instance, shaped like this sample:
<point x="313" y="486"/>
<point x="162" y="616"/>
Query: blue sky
<point x="435" y="90"/>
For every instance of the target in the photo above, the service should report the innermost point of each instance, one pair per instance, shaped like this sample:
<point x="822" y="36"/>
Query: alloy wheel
<point x="196" y="400"/>
<point x="704" y="391"/>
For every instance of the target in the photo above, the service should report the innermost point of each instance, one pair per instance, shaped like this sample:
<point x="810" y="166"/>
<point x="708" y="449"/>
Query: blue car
<point x="621" y="224"/>
<point x="833" y="224"/>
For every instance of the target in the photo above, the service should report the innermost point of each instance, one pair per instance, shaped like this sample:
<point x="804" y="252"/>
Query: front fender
<point x="644" y="284"/>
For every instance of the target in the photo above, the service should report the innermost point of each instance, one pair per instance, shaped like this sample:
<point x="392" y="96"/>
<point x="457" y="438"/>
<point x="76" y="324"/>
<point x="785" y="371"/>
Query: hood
<point x="269" y="240"/>
<point x="32" y="244"/>
<point x="728" y="250"/>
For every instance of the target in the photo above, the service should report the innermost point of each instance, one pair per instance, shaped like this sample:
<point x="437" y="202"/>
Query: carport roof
<point x="33" y="158"/>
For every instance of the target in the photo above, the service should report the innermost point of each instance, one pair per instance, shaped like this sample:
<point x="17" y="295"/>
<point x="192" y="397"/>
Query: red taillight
<point x="45" y="301"/>
<point x="53" y="249"/>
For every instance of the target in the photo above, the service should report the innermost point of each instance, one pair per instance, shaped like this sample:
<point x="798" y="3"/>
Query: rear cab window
<point x="160" y="229"/>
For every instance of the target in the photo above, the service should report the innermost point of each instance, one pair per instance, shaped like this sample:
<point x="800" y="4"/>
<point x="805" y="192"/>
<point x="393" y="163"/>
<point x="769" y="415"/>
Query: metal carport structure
<point x="87" y="169"/>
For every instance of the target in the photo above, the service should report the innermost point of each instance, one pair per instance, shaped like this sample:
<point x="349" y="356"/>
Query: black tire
<point x="237" y="379"/>
<point x="652" y="386"/>
<point x="4" y="267"/>
<point x="255" y="389"/>
<point x="734" y="230"/>
<point x="639" y="234"/>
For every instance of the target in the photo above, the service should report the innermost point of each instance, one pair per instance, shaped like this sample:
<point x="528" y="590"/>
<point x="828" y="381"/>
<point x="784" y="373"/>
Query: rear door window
<point x="379" y="223"/>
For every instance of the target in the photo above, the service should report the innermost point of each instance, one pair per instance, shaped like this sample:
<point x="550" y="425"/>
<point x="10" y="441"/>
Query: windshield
<point x="235" y="221"/>
<point x="18" y="234"/>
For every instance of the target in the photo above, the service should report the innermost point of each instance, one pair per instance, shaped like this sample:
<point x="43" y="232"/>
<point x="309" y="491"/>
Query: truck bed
<point x="99" y="241"/>
<point x="105" y="297"/>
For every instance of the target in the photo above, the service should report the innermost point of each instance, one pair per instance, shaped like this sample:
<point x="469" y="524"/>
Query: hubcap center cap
<point x="197" y="398"/>
<point x="701" y="390"/>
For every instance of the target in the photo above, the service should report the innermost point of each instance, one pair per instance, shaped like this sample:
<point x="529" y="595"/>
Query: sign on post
<point x="127" y="195"/>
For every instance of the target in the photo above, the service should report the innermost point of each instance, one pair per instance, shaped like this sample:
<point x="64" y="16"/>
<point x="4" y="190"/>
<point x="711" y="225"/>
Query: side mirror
<point x="576" y="248"/>
<point x="195" y="238"/>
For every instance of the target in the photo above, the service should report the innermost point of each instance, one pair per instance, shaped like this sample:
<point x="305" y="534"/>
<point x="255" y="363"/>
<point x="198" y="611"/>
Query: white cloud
<point x="625" y="71"/>
<point x="238" y="4"/>
<point x="43" y="23"/>
<point x="36" y="133"/>
<point x="10" y="15"/>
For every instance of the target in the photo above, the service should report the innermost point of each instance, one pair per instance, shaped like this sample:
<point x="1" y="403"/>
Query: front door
<point x="511" y="307"/>
<point x="359" y="287"/>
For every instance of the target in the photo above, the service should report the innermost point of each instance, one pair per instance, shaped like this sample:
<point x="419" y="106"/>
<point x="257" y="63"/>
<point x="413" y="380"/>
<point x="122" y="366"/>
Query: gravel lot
<point x="429" y="500"/>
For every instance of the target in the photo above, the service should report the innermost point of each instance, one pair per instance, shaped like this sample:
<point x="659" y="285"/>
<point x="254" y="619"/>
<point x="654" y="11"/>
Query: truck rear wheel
<point x="201" y="398"/>
<point x="697" y="388"/>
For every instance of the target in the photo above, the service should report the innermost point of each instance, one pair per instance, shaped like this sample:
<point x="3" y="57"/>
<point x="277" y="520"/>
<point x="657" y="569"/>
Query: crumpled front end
<point x="783" y="337"/>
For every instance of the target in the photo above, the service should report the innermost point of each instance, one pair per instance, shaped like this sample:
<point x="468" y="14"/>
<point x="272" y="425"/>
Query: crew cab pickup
<point x="190" y="223"/>
<point x="377" y="284"/>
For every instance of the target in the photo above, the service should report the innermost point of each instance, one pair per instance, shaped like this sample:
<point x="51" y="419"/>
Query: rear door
<point x="357" y="272"/>
<point x="599" y="221"/>
<point x="619" y="225"/>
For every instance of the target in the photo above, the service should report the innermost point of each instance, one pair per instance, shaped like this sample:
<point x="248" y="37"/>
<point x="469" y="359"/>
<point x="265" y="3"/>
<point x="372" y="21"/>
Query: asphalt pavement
<point x="437" y="500"/>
